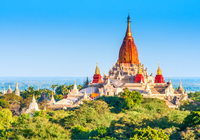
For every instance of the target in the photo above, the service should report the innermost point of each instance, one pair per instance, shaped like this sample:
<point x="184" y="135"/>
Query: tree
<point x="192" y="120"/>
<point x="5" y="119"/>
<point x="31" y="89"/>
<point x="54" y="86"/>
<point x="38" y="128"/>
<point x="4" y="104"/>
<point x="149" y="133"/>
<point x="79" y="132"/>
<point x="63" y="89"/>
<point x="131" y="99"/>
<point x="12" y="98"/>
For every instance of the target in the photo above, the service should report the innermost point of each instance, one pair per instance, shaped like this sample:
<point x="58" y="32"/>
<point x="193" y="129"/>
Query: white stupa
<point x="33" y="106"/>
<point x="4" y="91"/>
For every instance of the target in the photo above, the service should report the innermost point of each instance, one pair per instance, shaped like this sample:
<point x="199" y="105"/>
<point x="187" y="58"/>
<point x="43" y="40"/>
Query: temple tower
<point x="128" y="52"/>
<point x="33" y="106"/>
<point x="139" y="78"/>
<point x="97" y="75"/>
<point x="17" y="92"/>
<point x="9" y="89"/>
<point x="159" y="77"/>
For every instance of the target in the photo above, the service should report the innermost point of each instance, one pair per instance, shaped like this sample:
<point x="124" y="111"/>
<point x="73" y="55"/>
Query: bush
<point x="38" y="128"/>
<point x="127" y="100"/>
<point x="91" y="114"/>
<point x="155" y="105"/>
<point x="79" y="132"/>
<point x="192" y="120"/>
<point x="149" y="133"/>
<point x="5" y="119"/>
<point x="4" y="104"/>
<point x="191" y="133"/>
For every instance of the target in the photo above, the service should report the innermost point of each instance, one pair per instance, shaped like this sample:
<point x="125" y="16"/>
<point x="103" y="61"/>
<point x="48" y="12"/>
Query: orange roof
<point x="94" y="95"/>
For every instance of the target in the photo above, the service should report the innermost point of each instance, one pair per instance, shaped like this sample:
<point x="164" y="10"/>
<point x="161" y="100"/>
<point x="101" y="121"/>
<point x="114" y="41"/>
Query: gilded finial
<point x="128" y="32"/>
<point x="159" y="72"/>
<point x="97" y="69"/>
<point x="9" y="86"/>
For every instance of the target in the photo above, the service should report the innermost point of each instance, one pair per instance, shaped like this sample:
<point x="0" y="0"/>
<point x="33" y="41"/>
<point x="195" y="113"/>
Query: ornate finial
<point x="159" y="72"/>
<point x="97" y="69"/>
<point x="9" y="86"/>
<point x="128" y="32"/>
<point x="180" y="86"/>
<point x="139" y="69"/>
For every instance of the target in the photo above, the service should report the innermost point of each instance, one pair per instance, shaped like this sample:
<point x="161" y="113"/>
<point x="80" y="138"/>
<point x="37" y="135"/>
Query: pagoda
<point x="17" y="92"/>
<point x="129" y="73"/>
<point x="139" y="77"/>
<point x="128" y="52"/>
<point x="9" y="89"/>
<point x="159" y="77"/>
<point x="97" y="75"/>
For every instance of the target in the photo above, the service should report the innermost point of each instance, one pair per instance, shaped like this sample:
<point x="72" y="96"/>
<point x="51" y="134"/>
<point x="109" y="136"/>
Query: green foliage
<point x="54" y="86"/>
<point x="99" y="133"/>
<point x="63" y="89"/>
<point x="41" y="113"/>
<point x="91" y="114"/>
<point x="12" y="98"/>
<point x="194" y="96"/>
<point x="149" y="133"/>
<point x="156" y="105"/>
<point x="191" y="133"/>
<point x="59" y="96"/>
<point x="25" y="103"/>
<point x="5" y="119"/>
<point x="47" y="92"/>
<point x="38" y="128"/>
<point x="79" y="132"/>
<point x="30" y="92"/>
<point x="192" y="120"/>
<point x="186" y="105"/>
<point x="131" y="99"/>
<point x="127" y="100"/>
<point x="4" y="104"/>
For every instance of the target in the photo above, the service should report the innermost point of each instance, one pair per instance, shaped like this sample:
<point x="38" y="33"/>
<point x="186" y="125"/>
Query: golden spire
<point x="159" y="72"/>
<point x="128" y="31"/>
<point x="9" y="86"/>
<point x="139" y="69"/>
<point x="97" y="69"/>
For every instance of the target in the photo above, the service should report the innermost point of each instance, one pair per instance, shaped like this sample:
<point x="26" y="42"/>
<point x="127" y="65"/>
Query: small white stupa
<point x="75" y="89"/>
<point x="4" y="91"/>
<point x="52" y="101"/>
<point x="85" y="95"/>
<point x="33" y="106"/>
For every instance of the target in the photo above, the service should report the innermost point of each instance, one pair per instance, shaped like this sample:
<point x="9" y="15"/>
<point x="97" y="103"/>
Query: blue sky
<point x="67" y="38"/>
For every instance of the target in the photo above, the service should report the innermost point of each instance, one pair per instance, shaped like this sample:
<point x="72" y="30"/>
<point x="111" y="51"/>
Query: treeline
<point x="128" y="116"/>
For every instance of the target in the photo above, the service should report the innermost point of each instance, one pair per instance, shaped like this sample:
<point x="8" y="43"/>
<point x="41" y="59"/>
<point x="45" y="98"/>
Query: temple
<point x="129" y="73"/>
<point x="159" y="78"/>
<point x="16" y="91"/>
<point x="97" y="75"/>
<point x="33" y="106"/>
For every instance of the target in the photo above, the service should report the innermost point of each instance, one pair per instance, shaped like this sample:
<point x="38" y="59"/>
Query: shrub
<point x="149" y="133"/>
<point x="4" y="104"/>
<point x="79" y="132"/>
<point x="192" y="120"/>
<point x="38" y="128"/>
